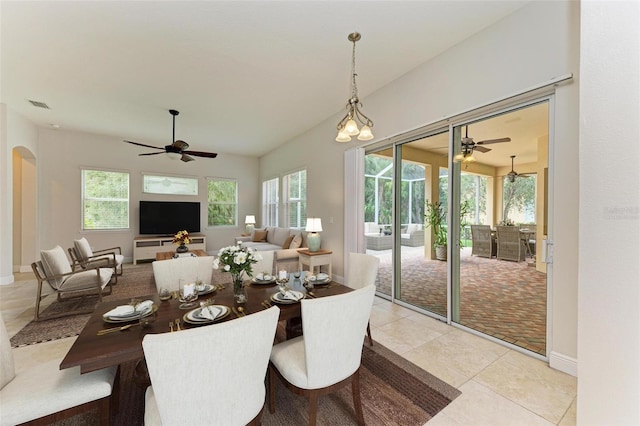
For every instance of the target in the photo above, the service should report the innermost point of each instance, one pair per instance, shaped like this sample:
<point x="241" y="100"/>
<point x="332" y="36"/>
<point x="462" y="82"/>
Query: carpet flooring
<point x="506" y="300"/>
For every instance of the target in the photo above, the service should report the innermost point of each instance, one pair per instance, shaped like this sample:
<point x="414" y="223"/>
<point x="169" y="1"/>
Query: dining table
<point x="93" y="350"/>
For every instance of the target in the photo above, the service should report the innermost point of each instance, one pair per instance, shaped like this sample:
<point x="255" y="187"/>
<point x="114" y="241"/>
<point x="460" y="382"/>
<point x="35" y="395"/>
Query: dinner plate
<point x="192" y="318"/>
<point x="136" y="316"/>
<point x="277" y="297"/>
<point x="320" y="282"/>
<point x="208" y="288"/>
<point x="257" y="281"/>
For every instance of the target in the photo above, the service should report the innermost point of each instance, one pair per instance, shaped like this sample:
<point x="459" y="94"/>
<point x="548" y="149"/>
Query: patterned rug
<point x="394" y="392"/>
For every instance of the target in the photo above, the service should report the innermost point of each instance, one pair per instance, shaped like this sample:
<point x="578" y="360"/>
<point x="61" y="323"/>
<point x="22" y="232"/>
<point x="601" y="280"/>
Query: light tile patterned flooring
<point x="499" y="386"/>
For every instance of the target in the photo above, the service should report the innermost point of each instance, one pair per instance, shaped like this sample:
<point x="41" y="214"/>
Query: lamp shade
<point x="250" y="219"/>
<point x="314" y="224"/>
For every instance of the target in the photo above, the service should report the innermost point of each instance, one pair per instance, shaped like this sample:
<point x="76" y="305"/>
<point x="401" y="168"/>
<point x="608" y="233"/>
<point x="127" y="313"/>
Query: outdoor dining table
<point x="92" y="352"/>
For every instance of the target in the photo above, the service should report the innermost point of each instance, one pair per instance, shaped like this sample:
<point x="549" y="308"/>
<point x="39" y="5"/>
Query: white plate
<point x="137" y="316"/>
<point x="193" y="318"/>
<point x="208" y="288"/>
<point x="320" y="282"/>
<point x="277" y="297"/>
<point x="257" y="281"/>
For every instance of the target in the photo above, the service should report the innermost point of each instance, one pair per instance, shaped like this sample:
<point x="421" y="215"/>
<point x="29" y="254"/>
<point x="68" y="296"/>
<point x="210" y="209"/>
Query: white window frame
<point x="235" y="203"/>
<point x="125" y="221"/>
<point x="270" y="201"/>
<point x="294" y="203"/>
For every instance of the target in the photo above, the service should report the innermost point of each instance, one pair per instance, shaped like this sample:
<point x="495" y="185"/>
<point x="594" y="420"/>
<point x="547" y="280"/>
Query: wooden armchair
<point x="482" y="243"/>
<point x="67" y="283"/>
<point x="83" y="255"/>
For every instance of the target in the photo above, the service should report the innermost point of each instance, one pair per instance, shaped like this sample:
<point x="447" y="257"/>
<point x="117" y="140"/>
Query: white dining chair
<point x="168" y="273"/>
<point x="211" y="375"/>
<point x="265" y="265"/>
<point x="45" y="393"/>
<point x="327" y="356"/>
<point x="363" y="271"/>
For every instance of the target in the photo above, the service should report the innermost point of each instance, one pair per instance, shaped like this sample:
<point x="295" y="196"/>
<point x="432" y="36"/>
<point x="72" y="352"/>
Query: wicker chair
<point x="510" y="245"/>
<point x="482" y="243"/>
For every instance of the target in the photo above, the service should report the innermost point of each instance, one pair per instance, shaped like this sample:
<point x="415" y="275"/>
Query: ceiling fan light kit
<point x="467" y="146"/>
<point x="348" y="126"/>
<point x="177" y="149"/>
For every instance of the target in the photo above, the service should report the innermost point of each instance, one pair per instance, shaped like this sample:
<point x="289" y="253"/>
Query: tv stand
<point x="147" y="247"/>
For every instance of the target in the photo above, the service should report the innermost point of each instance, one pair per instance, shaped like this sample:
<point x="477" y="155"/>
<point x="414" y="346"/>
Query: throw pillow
<point x="259" y="236"/>
<point x="296" y="242"/>
<point x="287" y="242"/>
<point x="83" y="249"/>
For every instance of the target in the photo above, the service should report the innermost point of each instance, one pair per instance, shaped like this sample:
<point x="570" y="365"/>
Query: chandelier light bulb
<point x="365" y="133"/>
<point x="342" y="136"/>
<point x="351" y="128"/>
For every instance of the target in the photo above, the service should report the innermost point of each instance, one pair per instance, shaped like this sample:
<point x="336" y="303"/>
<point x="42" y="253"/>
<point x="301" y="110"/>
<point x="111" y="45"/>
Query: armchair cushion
<point x="85" y="279"/>
<point x="55" y="262"/>
<point x="83" y="249"/>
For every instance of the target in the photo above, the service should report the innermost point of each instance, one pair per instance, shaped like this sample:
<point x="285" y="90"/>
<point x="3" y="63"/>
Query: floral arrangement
<point x="506" y="222"/>
<point x="236" y="260"/>
<point x="181" y="238"/>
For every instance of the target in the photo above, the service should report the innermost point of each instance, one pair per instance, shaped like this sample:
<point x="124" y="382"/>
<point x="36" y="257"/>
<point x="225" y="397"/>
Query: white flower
<point x="256" y="256"/>
<point x="240" y="258"/>
<point x="216" y="263"/>
<point x="227" y="268"/>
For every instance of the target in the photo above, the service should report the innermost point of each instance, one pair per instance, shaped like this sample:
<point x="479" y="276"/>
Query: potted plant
<point x="435" y="217"/>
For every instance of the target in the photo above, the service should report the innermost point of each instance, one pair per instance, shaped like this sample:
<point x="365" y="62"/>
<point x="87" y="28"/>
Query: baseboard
<point x="6" y="280"/>
<point x="563" y="363"/>
<point x="25" y="268"/>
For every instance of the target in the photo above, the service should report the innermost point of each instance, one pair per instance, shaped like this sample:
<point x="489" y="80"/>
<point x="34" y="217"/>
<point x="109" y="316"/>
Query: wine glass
<point x="188" y="294"/>
<point x="282" y="279"/>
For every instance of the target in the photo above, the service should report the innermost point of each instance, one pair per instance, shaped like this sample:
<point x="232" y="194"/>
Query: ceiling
<point x="245" y="76"/>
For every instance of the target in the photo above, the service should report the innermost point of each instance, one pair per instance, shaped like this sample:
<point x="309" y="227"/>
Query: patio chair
<point x="210" y="375"/>
<point x="45" y="393"/>
<point x="363" y="271"/>
<point x="510" y="245"/>
<point x="482" y="243"/>
<point x="167" y="273"/>
<point x="67" y="283"/>
<point x="82" y="254"/>
<point x="323" y="360"/>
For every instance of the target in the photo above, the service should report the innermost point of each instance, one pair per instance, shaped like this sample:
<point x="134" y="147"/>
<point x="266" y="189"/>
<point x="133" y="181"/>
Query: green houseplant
<point x="435" y="218"/>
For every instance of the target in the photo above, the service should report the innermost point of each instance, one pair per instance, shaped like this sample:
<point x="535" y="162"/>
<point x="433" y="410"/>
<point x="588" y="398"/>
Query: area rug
<point x="136" y="281"/>
<point x="394" y="392"/>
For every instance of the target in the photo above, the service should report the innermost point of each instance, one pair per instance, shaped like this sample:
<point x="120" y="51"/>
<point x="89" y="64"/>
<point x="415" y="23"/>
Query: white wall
<point x="62" y="154"/>
<point x="532" y="46"/>
<point x="609" y="253"/>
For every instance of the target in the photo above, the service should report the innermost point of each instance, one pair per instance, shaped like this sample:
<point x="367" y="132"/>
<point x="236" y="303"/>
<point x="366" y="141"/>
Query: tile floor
<point x="499" y="386"/>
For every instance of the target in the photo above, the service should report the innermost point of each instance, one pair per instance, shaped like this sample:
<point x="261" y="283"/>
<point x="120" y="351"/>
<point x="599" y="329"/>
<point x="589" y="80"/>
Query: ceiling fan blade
<point x="186" y="158"/>
<point x="153" y="153"/>
<point x="482" y="149"/>
<point x="142" y="144"/>
<point x="488" y="141"/>
<point x="181" y="145"/>
<point x="201" y="154"/>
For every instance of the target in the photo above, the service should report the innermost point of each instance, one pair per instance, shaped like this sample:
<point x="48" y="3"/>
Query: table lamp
<point x="250" y="221"/>
<point x="314" y="225"/>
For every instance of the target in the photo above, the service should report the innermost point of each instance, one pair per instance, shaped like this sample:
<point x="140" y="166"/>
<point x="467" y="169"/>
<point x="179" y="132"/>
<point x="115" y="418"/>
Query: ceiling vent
<point x="39" y="104"/>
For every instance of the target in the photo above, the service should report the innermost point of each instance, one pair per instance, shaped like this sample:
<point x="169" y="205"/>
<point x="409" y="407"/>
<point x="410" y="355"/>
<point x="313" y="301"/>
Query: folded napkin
<point x="260" y="276"/>
<point x="121" y="311"/>
<point x="322" y="276"/>
<point x="288" y="295"/>
<point x="144" y="306"/>
<point x="311" y="278"/>
<point x="209" y="312"/>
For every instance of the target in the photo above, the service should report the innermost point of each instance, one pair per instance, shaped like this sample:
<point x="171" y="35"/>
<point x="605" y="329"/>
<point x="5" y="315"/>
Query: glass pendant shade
<point x="342" y="136"/>
<point x="365" y="133"/>
<point x="351" y="128"/>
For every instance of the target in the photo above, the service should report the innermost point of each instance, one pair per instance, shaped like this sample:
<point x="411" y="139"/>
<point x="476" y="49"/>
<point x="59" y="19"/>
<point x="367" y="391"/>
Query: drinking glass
<point x="188" y="294"/>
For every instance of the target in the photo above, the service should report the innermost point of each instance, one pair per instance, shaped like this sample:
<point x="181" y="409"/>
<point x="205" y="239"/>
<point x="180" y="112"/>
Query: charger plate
<point x="191" y="317"/>
<point x="276" y="298"/>
<point x="118" y="320"/>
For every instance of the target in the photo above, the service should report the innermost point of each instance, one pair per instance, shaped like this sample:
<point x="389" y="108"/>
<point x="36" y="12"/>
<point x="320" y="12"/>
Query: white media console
<point x="147" y="247"/>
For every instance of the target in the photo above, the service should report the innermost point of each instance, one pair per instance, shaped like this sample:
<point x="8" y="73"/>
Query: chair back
<point x="55" y="262"/>
<point x="212" y="374"/>
<point x="334" y="328"/>
<point x="7" y="366"/>
<point x="168" y="273"/>
<point x="481" y="233"/>
<point x="264" y="265"/>
<point x="82" y="249"/>
<point x="363" y="270"/>
<point x="509" y="243"/>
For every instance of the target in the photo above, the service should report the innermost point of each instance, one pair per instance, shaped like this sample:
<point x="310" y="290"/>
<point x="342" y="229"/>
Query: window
<point x="270" y="202"/>
<point x="519" y="199"/>
<point x="294" y="187"/>
<point x="173" y="185"/>
<point x="222" y="202"/>
<point x="105" y="200"/>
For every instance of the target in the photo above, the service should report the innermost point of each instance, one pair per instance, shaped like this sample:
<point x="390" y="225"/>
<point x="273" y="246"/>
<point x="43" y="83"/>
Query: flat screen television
<point x="169" y="217"/>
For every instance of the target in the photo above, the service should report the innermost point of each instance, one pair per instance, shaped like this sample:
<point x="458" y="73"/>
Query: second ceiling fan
<point x="178" y="148"/>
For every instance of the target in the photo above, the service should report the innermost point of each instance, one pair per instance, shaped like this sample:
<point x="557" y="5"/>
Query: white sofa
<point x="413" y="236"/>
<point x="276" y="237"/>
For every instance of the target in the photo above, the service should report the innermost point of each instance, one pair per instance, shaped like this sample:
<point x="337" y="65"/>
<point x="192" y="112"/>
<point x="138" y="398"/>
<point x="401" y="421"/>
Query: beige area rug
<point x="135" y="282"/>
<point x="394" y="392"/>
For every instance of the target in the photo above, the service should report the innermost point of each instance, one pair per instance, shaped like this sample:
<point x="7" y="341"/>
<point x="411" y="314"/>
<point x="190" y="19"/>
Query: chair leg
<point x="357" y="403"/>
<point x="369" y="334"/>
<point x="272" y="388"/>
<point x="313" y="406"/>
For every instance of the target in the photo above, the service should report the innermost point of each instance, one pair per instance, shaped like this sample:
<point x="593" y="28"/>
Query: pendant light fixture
<point x="348" y="126"/>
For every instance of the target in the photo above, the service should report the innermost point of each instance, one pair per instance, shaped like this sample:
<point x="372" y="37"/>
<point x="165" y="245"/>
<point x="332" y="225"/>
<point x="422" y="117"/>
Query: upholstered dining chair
<point x="363" y="270"/>
<point x="264" y="265"/>
<point x="328" y="354"/>
<point x="482" y="243"/>
<point x="45" y="393"/>
<point x="168" y="273"/>
<point x="210" y="375"/>
<point x="82" y="254"/>
<point x="54" y="269"/>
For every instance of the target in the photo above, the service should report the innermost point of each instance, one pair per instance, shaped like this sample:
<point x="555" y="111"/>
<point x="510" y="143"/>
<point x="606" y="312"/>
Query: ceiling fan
<point x="512" y="175"/>
<point x="468" y="146"/>
<point x="178" y="148"/>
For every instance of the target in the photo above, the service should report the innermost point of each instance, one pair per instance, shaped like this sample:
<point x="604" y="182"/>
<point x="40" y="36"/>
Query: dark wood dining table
<point x="92" y="352"/>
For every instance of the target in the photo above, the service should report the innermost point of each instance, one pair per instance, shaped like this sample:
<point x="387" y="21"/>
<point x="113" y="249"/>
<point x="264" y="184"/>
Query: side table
<point x="314" y="258"/>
